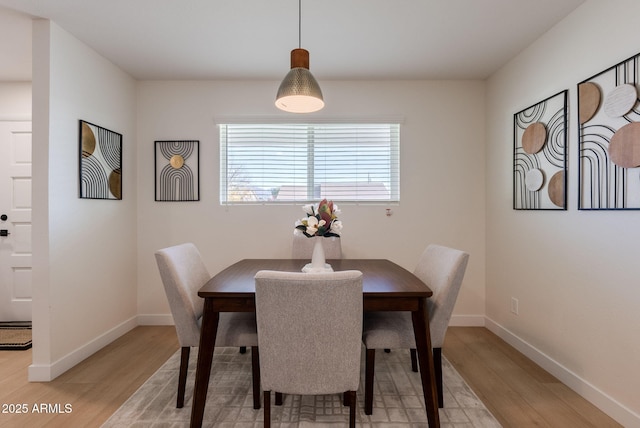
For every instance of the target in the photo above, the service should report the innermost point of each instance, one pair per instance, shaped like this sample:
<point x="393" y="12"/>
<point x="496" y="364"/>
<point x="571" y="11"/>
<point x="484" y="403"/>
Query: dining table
<point x="386" y="286"/>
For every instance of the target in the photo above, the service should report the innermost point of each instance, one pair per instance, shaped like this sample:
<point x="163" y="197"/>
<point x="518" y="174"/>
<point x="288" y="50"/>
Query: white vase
<point x="317" y="257"/>
<point x="318" y="262"/>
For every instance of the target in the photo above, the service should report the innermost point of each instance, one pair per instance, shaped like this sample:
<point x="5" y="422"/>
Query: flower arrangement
<point x="321" y="220"/>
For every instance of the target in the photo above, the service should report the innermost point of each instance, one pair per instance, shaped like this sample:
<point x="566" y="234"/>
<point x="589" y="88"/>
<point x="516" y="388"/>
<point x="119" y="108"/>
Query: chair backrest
<point x="302" y="247"/>
<point x="183" y="273"/>
<point x="442" y="269"/>
<point x="309" y="331"/>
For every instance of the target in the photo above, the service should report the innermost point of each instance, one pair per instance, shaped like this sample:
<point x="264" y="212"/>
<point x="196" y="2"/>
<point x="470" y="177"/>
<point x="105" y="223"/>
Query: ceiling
<point x="252" y="39"/>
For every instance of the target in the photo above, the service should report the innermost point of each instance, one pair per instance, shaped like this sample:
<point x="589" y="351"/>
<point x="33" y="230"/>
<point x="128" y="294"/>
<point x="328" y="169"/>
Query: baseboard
<point x="467" y="321"/>
<point x="622" y="414"/>
<point x="46" y="373"/>
<point x="157" y="319"/>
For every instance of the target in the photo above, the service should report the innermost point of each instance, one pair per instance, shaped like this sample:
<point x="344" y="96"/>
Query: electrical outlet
<point x="514" y="305"/>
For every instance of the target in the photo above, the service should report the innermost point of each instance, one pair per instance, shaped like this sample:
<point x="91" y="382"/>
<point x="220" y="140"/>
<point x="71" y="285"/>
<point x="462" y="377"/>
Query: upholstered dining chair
<point x="309" y="334"/>
<point x="183" y="273"/>
<point x="442" y="269"/>
<point x="302" y="247"/>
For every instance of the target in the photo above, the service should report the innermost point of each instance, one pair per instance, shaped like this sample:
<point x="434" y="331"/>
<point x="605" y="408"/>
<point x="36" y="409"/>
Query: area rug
<point x="398" y="401"/>
<point x="15" y="336"/>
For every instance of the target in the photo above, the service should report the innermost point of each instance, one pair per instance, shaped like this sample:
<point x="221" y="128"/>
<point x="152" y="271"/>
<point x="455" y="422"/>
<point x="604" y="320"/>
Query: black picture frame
<point x="608" y="137"/>
<point x="100" y="162"/>
<point x="540" y="155"/>
<point x="177" y="170"/>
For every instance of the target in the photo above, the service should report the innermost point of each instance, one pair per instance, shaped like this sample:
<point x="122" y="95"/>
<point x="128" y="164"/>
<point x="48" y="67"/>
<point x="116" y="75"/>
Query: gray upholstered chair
<point x="310" y="334"/>
<point x="442" y="269"/>
<point x="302" y="247"/>
<point x="183" y="273"/>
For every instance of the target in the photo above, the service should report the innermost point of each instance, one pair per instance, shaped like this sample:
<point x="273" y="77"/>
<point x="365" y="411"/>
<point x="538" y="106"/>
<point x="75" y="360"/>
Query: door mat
<point x="15" y="335"/>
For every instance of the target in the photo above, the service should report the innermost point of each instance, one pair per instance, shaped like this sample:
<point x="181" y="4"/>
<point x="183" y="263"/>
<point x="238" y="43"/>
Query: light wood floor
<point x="518" y="392"/>
<point x="95" y="388"/>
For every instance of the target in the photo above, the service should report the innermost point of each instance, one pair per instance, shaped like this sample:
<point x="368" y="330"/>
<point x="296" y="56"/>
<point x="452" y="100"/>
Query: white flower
<point x="313" y="224"/>
<point x="308" y="209"/>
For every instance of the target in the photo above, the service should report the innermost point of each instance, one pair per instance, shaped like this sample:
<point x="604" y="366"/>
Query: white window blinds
<point x="309" y="162"/>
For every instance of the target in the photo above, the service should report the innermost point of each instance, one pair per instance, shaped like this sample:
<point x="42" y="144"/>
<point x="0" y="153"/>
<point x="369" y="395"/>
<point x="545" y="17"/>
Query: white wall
<point x="84" y="250"/>
<point x="575" y="273"/>
<point x="442" y="182"/>
<point x="15" y="100"/>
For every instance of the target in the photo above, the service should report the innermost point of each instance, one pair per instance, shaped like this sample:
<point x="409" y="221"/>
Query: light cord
<point x="299" y="24"/>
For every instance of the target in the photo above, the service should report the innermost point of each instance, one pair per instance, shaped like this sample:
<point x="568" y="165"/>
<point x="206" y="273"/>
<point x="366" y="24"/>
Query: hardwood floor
<point x="517" y="391"/>
<point x="514" y="389"/>
<point x="95" y="388"/>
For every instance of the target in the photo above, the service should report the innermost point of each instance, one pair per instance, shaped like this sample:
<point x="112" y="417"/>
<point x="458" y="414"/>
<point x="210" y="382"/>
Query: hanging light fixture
<point x="299" y="92"/>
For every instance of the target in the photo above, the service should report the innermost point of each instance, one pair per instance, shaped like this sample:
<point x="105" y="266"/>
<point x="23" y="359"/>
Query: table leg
<point x="208" y="332"/>
<point x="425" y="360"/>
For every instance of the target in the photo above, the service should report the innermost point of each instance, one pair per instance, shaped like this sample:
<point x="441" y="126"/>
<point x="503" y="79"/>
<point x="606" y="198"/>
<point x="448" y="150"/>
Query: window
<point x="308" y="162"/>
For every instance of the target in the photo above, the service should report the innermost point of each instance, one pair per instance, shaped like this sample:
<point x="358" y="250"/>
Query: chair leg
<point x="255" y="374"/>
<point x="182" y="376"/>
<point x="437" y="365"/>
<point x="414" y="360"/>
<point x="368" y="381"/>
<point x="278" y="398"/>
<point x="243" y="349"/>
<point x="267" y="409"/>
<point x="352" y="398"/>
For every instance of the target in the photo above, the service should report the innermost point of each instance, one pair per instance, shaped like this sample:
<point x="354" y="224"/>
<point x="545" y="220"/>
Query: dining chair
<point x="440" y="268"/>
<point x="183" y="273"/>
<point x="302" y="247"/>
<point x="309" y="334"/>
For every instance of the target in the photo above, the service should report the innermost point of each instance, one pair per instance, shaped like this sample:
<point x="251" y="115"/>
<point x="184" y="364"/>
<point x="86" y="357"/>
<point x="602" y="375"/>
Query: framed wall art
<point x="540" y="155"/>
<point x="100" y="162"/>
<point x="609" y="139"/>
<point x="177" y="170"/>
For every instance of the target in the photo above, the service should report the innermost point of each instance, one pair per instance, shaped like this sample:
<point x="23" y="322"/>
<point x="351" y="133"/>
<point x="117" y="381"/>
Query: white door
<point x="15" y="221"/>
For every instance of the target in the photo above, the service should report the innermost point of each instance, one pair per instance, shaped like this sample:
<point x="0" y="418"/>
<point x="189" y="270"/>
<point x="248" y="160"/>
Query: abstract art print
<point x="177" y="169"/>
<point x="540" y="155"/>
<point x="100" y="162"/>
<point x="609" y="139"/>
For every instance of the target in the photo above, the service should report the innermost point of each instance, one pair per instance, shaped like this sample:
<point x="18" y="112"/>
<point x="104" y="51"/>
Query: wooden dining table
<point x="386" y="286"/>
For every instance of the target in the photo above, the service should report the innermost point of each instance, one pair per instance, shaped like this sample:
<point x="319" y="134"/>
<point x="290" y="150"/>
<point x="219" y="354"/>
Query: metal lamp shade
<point x="299" y="92"/>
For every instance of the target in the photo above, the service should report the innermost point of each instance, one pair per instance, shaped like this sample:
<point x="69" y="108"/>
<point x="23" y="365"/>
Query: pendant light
<point x="299" y="92"/>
